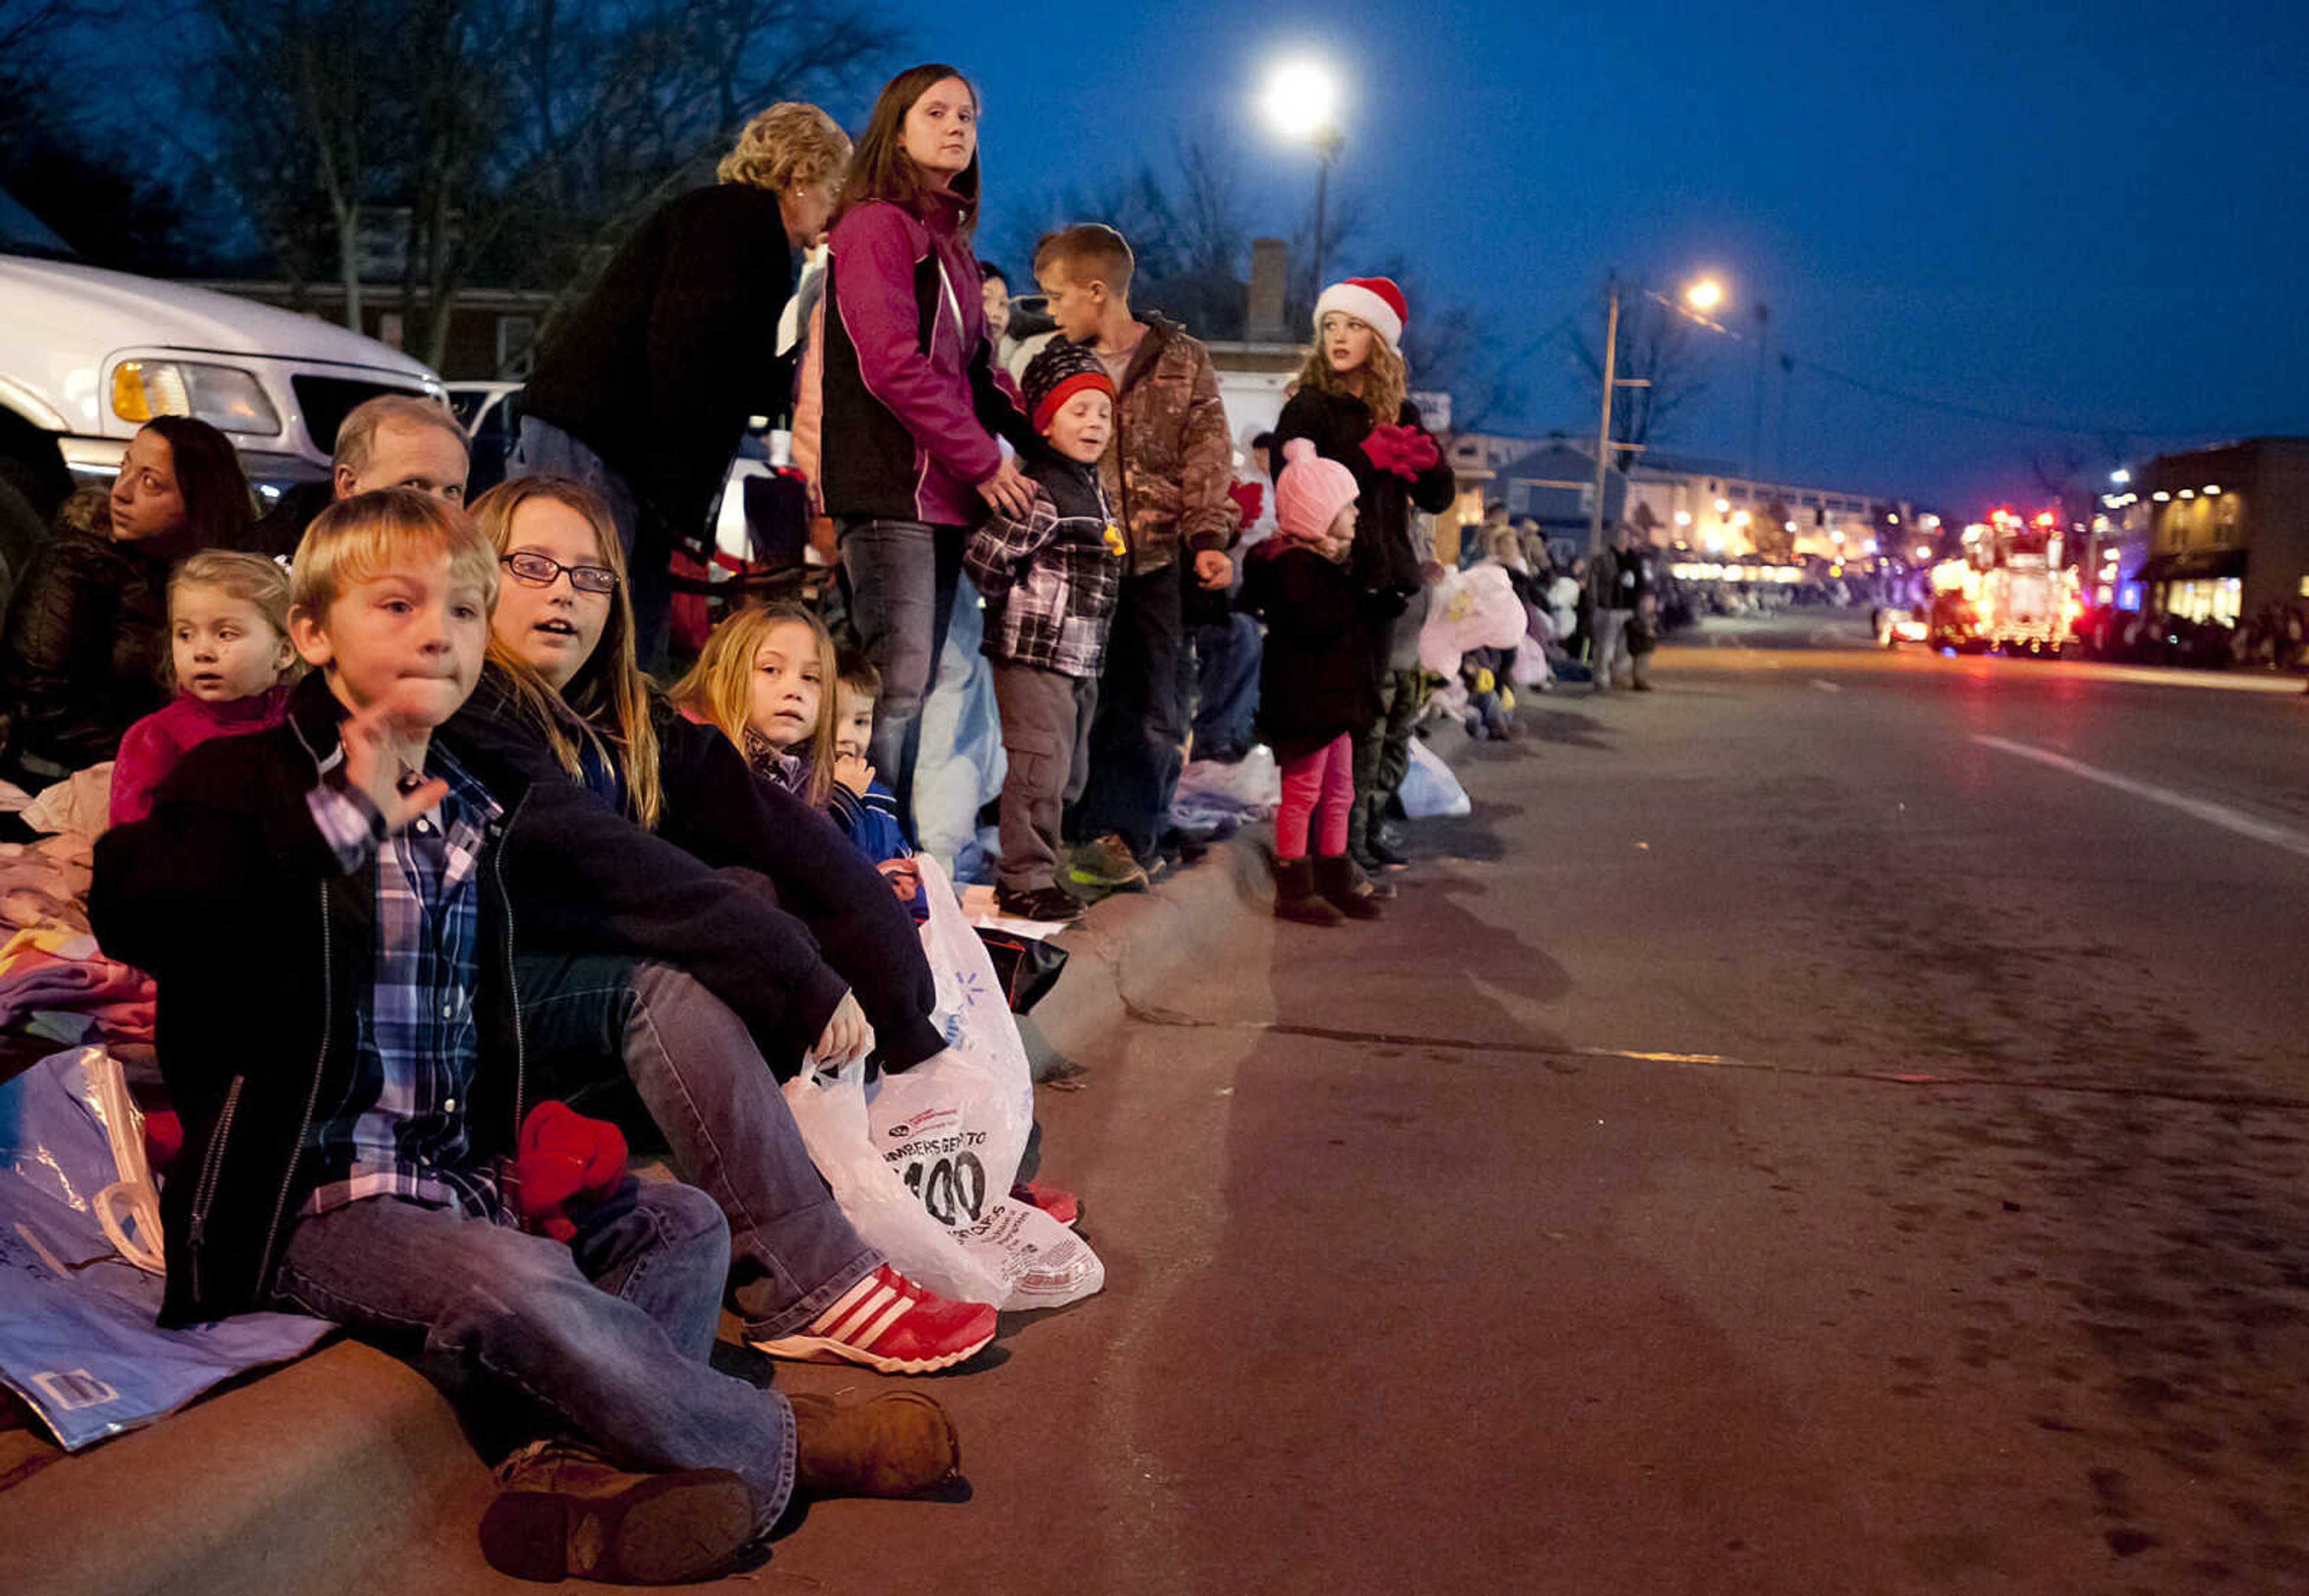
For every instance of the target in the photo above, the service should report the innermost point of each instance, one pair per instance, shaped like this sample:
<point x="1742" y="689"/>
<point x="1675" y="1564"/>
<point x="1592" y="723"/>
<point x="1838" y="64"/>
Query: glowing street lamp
<point x="1302" y="102"/>
<point x="1705" y="295"/>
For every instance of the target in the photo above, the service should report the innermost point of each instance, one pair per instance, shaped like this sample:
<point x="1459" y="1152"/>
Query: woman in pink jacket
<point x="911" y="404"/>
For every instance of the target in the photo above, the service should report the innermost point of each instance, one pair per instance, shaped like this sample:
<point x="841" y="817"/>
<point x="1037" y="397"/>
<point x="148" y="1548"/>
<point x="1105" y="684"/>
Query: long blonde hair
<point x="608" y="702"/>
<point x="1387" y="377"/>
<point x="720" y="687"/>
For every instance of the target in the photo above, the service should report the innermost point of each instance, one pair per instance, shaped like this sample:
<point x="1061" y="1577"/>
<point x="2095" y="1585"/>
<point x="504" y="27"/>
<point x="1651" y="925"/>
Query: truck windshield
<point x="23" y="233"/>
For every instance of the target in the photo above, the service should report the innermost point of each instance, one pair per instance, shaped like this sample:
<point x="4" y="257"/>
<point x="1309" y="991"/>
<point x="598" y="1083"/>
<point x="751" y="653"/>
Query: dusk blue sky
<point x="2087" y="214"/>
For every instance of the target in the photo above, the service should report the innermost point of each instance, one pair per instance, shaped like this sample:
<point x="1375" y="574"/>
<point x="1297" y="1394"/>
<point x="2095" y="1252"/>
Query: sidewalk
<point x="320" y="1475"/>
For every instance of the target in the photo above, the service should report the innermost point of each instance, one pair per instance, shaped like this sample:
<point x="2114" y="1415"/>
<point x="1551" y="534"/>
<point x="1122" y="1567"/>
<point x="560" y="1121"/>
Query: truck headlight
<point x="226" y="397"/>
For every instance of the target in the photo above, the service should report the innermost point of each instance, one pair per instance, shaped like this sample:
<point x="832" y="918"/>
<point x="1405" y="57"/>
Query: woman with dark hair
<point x="87" y="629"/>
<point x="910" y="405"/>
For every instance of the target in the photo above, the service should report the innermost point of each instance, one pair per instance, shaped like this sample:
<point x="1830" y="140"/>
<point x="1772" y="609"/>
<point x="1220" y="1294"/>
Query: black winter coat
<point x="1315" y="676"/>
<point x="1385" y="558"/>
<point x="745" y="886"/>
<point x="262" y="950"/>
<point x="80" y="663"/>
<point x="674" y="348"/>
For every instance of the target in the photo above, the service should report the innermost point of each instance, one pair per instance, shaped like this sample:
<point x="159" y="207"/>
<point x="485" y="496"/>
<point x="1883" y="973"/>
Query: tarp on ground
<point x="78" y="1340"/>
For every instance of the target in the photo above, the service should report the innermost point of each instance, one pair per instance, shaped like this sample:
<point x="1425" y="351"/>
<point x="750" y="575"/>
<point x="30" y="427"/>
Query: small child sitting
<point x="762" y="682"/>
<point x="231" y="660"/>
<point x="1050" y="579"/>
<point x="866" y="810"/>
<point x="1316" y="688"/>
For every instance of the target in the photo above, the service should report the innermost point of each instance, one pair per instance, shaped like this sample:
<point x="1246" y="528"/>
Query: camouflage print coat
<point x="1172" y="461"/>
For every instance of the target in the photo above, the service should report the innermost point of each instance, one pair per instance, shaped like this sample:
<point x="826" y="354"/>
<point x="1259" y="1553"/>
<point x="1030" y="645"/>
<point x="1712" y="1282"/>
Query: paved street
<point x="1790" y="1144"/>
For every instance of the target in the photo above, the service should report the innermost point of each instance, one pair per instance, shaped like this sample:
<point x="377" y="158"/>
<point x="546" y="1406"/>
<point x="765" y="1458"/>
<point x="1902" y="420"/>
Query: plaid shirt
<point x="400" y="1129"/>
<point x="1049" y="584"/>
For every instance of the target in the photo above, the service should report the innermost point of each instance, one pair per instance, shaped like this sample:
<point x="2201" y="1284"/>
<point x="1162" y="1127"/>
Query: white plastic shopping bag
<point x="1428" y="788"/>
<point x="922" y="1162"/>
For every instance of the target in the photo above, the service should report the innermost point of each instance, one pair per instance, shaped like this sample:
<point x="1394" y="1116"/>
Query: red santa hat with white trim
<point x="1375" y="301"/>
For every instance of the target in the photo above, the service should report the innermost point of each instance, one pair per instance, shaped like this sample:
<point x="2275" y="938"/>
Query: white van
<point x="86" y="356"/>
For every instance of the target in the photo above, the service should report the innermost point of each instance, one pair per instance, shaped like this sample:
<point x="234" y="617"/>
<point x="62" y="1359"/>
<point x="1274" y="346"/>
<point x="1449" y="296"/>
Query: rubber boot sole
<point x="669" y="1529"/>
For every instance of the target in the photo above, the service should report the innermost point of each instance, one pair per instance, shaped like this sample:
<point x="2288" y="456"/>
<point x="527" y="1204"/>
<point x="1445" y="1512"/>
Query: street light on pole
<point x="1302" y="101"/>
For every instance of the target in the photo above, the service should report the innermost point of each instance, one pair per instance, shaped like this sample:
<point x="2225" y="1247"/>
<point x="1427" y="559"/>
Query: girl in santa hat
<point x="1349" y="401"/>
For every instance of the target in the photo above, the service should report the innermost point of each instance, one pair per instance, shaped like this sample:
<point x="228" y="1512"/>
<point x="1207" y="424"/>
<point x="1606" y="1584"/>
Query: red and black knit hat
<point x="1057" y="374"/>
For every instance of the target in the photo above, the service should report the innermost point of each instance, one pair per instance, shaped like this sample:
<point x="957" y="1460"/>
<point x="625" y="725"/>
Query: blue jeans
<point x="792" y="1253"/>
<point x="544" y="449"/>
<point x="902" y="576"/>
<point x="1136" y="737"/>
<point x="1226" y="687"/>
<point x="608" y="1335"/>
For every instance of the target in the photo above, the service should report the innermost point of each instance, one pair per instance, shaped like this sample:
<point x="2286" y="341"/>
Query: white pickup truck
<point x="87" y="355"/>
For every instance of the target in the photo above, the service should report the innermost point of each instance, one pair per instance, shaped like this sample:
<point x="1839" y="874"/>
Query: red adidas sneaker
<point x="889" y="1324"/>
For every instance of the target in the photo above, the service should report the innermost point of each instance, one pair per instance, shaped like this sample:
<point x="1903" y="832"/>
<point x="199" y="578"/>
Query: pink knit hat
<point x="1310" y="492"/>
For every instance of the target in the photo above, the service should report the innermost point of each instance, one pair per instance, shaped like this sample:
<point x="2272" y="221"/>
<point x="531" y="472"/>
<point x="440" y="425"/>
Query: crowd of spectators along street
<point x="424" y="813"/>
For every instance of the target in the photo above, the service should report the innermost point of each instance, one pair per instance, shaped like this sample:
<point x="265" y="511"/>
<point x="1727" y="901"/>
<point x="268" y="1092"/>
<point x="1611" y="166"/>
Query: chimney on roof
<point x="1270" y="261"/>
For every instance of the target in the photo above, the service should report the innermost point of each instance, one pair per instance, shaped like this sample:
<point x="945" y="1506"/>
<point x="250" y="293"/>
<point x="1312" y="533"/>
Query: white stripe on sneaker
<point x="844" y="1303"/>
<point x="865" y="1314"/>
<point x="873" y="1332"/>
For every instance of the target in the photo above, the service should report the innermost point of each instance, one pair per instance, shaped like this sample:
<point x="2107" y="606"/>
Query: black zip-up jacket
<point x="86" y="633"/>
<point x="261" y="948"/>
<point x="1385" y="558"/>
<point x="745" y="886"/>
<point x="676" y="345"/>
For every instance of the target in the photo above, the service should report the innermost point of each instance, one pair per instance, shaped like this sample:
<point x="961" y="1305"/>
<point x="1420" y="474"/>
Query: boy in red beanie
<point x="1050" y="580"/>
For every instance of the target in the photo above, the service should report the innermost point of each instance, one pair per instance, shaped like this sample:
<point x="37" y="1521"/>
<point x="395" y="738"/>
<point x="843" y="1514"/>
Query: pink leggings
<point x="1324" y="779"/>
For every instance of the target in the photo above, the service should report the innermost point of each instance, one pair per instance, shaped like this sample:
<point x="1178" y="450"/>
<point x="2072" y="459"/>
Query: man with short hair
<point x="394" y="440"/>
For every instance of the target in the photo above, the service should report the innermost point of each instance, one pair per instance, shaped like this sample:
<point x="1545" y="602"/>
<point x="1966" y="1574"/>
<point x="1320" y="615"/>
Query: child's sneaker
<point x="566" y="1513"/>
<point x="1108" y="864"/>
<point x="1042" y="903"/>
<point x="889" y="1325"/>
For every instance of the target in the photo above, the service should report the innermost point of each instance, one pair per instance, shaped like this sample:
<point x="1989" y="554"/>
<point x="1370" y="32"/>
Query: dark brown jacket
<point x="1168" y="470"/>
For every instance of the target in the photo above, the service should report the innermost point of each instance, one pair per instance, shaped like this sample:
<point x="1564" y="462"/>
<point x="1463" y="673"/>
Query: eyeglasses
<point x="541" y="570"/>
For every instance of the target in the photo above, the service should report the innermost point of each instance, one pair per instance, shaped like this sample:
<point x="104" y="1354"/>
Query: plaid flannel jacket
<point x="1049" y="584"/>
<point x="400" y="1130"/>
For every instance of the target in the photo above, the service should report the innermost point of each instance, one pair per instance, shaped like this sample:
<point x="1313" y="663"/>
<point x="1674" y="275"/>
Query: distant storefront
<point x="2228" y="529"/>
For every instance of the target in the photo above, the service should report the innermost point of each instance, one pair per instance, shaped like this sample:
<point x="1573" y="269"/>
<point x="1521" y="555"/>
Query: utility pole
<point x="1755" y="430"/>
<point x="1328" y="143"/>
<point x="1603" y="426"/>
<point x="1613" y="383"/>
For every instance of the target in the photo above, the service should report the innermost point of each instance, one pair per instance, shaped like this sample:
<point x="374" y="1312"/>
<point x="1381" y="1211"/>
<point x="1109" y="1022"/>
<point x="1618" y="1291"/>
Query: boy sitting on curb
<point x="1049" y="580"/>
<point x="349" y="1119"/>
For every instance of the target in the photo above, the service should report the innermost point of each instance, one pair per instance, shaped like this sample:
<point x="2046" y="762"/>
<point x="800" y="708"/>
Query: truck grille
<point x="327" y="401"/>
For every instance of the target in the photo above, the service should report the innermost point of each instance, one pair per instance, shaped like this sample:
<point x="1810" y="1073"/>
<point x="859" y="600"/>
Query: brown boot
<point x="566" y="1512"/>
<point x="1344" y="886"/>
<point x="1295" y="897"/>
<point x="898" y="1445"/>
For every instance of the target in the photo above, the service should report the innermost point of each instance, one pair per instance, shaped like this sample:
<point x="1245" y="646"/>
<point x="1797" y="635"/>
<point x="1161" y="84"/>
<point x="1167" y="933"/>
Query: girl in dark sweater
<point x="1349" y="402"/>
<point x="1315" y="688"/>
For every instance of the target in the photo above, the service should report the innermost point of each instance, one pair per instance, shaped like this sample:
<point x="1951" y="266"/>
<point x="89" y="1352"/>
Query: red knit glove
<point x="1395" y="450"/>
<point x="1424" y="453"/>
<point x="565" y="1158"/>
<point x="1248" y="497"/>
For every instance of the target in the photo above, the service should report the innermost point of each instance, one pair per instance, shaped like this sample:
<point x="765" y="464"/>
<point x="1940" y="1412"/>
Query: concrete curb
<point x="313" y="1478"/>
<point x="1130" y="942"/>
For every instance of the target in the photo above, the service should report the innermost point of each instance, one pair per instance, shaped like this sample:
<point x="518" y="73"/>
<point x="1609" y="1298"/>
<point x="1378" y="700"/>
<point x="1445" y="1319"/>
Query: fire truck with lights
<point x="2006" y="591"/>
